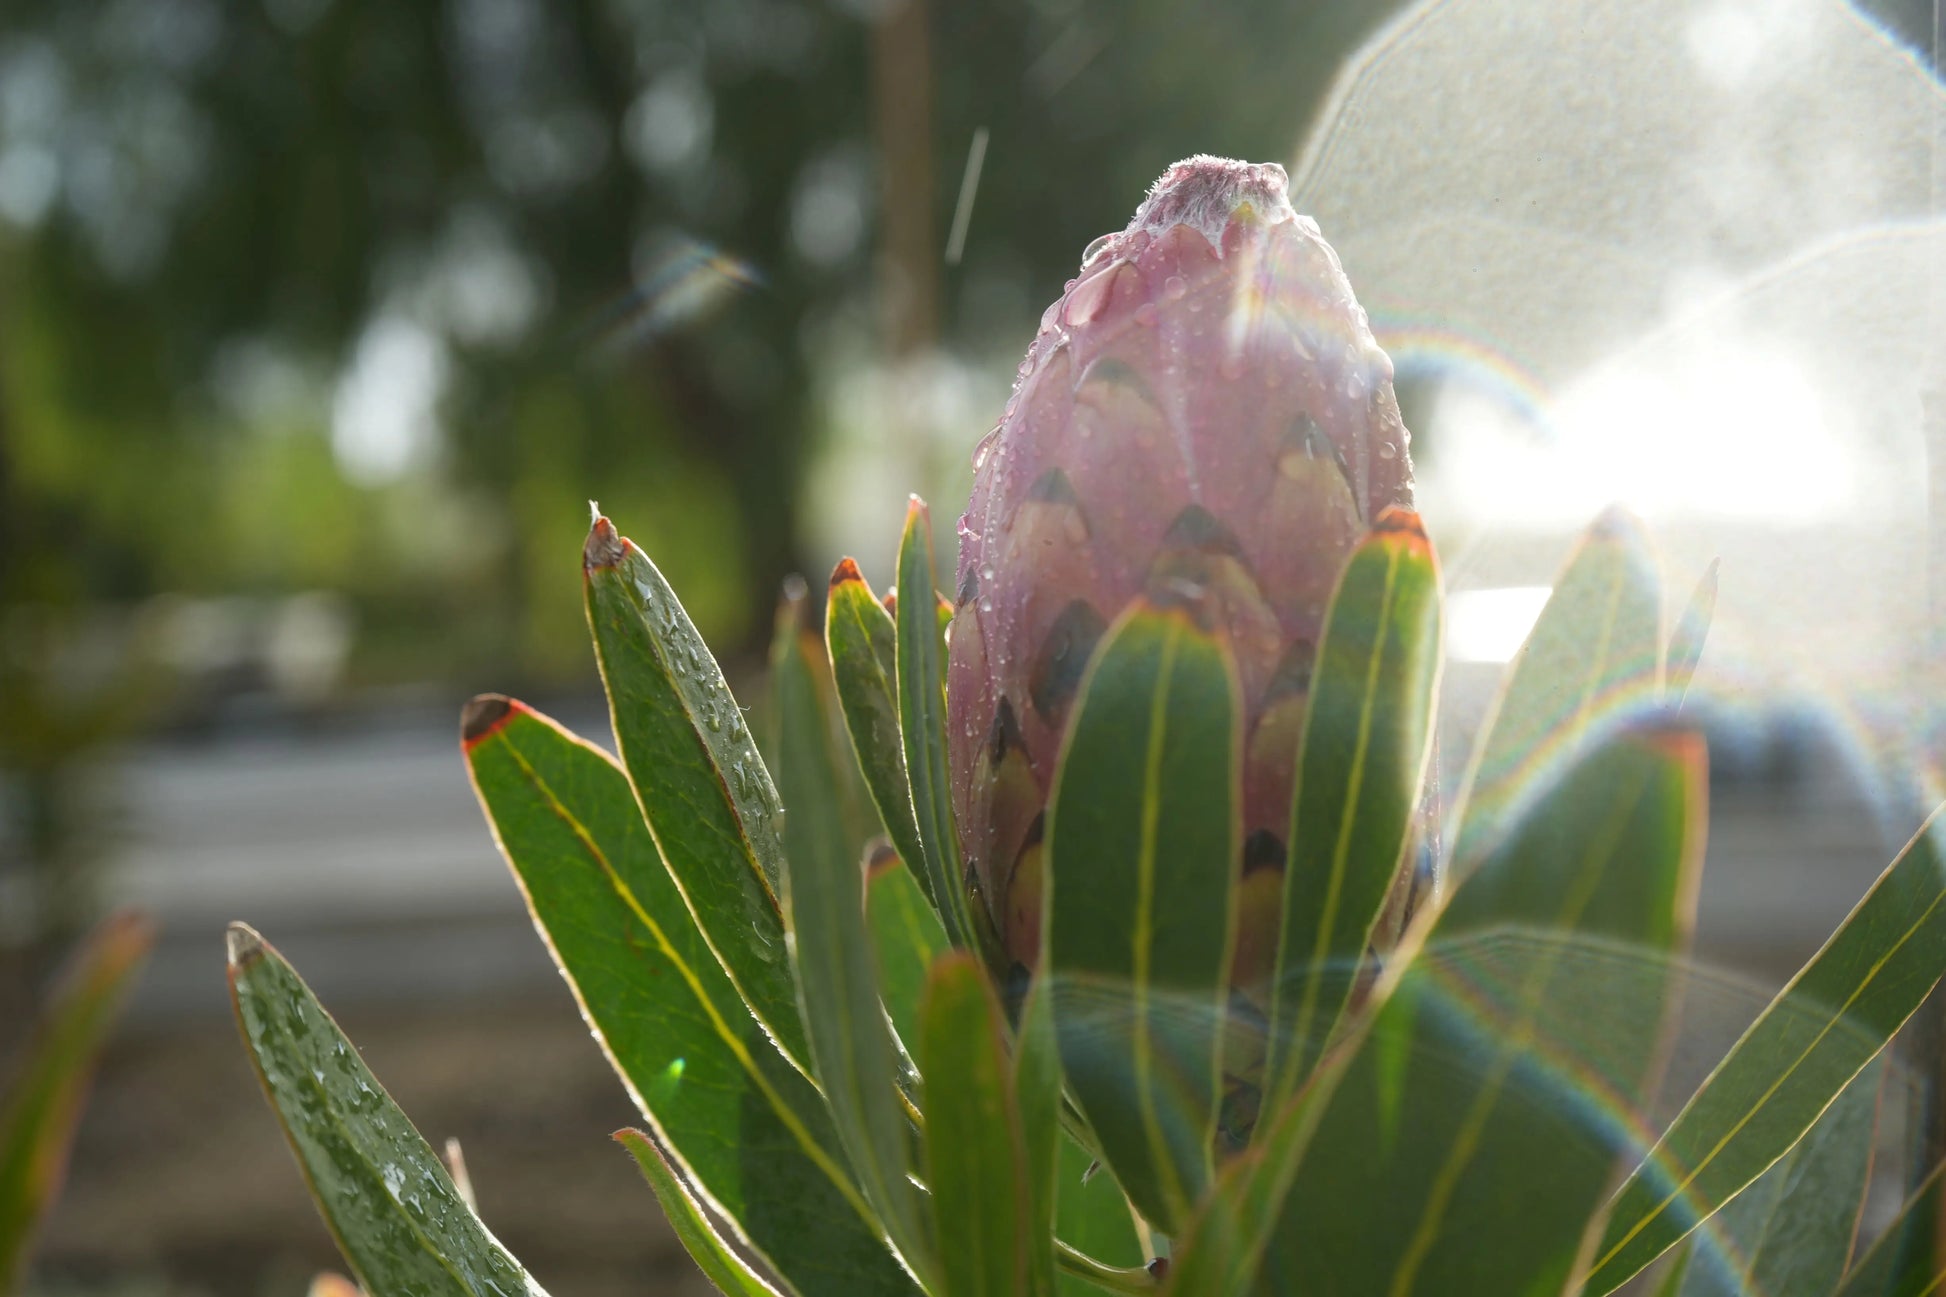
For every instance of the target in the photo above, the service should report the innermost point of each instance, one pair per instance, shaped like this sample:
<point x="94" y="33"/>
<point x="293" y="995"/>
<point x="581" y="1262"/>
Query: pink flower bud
<point x="1204" y="413"/>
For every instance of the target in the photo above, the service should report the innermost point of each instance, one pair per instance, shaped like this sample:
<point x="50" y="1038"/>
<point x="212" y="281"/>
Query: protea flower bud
<point x="1205" y="409"/>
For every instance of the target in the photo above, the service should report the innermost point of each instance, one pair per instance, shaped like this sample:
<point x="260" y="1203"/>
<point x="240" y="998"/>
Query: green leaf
<point x="1141" y="846"/>
<point x="1367" y="739"/>
<point x="831" y="948"/>
<point x="863" y="641"/>
<point x="976" y="1159"/>
<point x="1037" y="1085"/>
<point x="1902" y="1262"/>
<point x="1821" y="1029"/>
<point x="922" y="723"/>
<point x="1692" y="631"/>
<point x="40" y="1109"/>
<point x="743" y="1125"/>
<point x="1498" y="1077"/>
<point x="1594" y="656"/>
<point x="1093" y="1219"/>
<point x="906" y="937"/>
<point x="1791" y="1231"/>
<point x="696" y="774"/>
<point x="715" y="1258"/>
<point x="404" y="1229"/>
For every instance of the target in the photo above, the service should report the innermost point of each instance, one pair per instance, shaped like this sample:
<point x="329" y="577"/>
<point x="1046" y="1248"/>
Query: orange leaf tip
<point x="605" y="546"/>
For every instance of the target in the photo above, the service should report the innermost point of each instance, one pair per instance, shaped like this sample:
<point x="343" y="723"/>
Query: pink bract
<point x="1203" y="413"/>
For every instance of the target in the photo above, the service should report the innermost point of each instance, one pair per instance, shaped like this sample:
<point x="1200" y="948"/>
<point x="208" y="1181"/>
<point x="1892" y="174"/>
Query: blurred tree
<point x="296" y="291"/>
<point x="370" y="298"/>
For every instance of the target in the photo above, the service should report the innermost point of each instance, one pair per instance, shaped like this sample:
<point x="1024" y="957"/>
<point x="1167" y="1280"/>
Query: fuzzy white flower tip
<point x="1205" y="192"/>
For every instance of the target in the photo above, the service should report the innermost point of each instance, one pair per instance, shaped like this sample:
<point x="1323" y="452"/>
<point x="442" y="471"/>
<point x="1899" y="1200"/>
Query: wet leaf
<point x="702" y="788"/>
<point x="743" y="1125"/>
<point x="404" y="1229"/>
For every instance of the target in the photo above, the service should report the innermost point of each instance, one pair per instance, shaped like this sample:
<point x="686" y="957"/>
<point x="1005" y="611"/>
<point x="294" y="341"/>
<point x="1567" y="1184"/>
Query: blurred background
<point x="322" y="321"/>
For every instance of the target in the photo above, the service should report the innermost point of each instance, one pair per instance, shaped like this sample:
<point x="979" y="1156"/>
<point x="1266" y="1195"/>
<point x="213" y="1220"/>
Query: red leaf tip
<point x="1396" y="520"/>
<point x="880" y="858"/>
<point x="847" y="570"/>
<point x="605" y="546"/>
<point x="482" y="718"/>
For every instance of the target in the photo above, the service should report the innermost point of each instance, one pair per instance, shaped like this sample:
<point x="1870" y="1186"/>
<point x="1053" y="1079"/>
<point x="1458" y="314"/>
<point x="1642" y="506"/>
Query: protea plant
<point x="1137" y="989"/>
<point x="1203" y="422"/>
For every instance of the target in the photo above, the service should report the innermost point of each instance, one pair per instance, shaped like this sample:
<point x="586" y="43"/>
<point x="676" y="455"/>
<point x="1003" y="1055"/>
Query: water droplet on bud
<point x="1175" y="287"/>
<point x="1095" y="250"/>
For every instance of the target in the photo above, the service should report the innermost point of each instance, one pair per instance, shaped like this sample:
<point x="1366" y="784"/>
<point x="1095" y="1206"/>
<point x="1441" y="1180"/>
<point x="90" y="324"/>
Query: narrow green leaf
<point x="1791" y="1231"/>
<point x="831" y="949"/>
<point x="922" y="723"/>
<point x="1593" y="659"/>
<point x="1499" y="1075"/>
<point x="702" y="788"/>
<point x="404" y="1229"/>
<point x="863" y="641"/>
<point x="1092" y="1219"/>
<point x="39" y="1110"/>
<point x="906" y="937"/>
<point x="1362" y="760"/>
<point x="1691" y="633"/>
<point x="1903" y="1262"/>
<point x="1821" y="1029"/>
<point x="715" y="1258"/>
<point x="1037" y="1083"/>
<point x="976" y="1159"/>
<point x="749" y="1130"/>
<point x="1141" y="846"/>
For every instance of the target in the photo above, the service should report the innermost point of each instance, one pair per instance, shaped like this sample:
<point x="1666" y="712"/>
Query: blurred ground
<point x="450" y="997"/>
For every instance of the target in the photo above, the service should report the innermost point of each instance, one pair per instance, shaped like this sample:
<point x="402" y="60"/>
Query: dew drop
<point x="986" y="605"/>
<point x="1386" y="450"/>
<point x="1175" y="287"/>
<point x="1095" y="249"/>
<point x="986" y="572"/>
<point x="985" y="448"/>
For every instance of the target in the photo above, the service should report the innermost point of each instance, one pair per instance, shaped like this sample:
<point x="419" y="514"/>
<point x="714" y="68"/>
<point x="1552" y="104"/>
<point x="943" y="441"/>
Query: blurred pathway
<point x="364" y="857"/>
